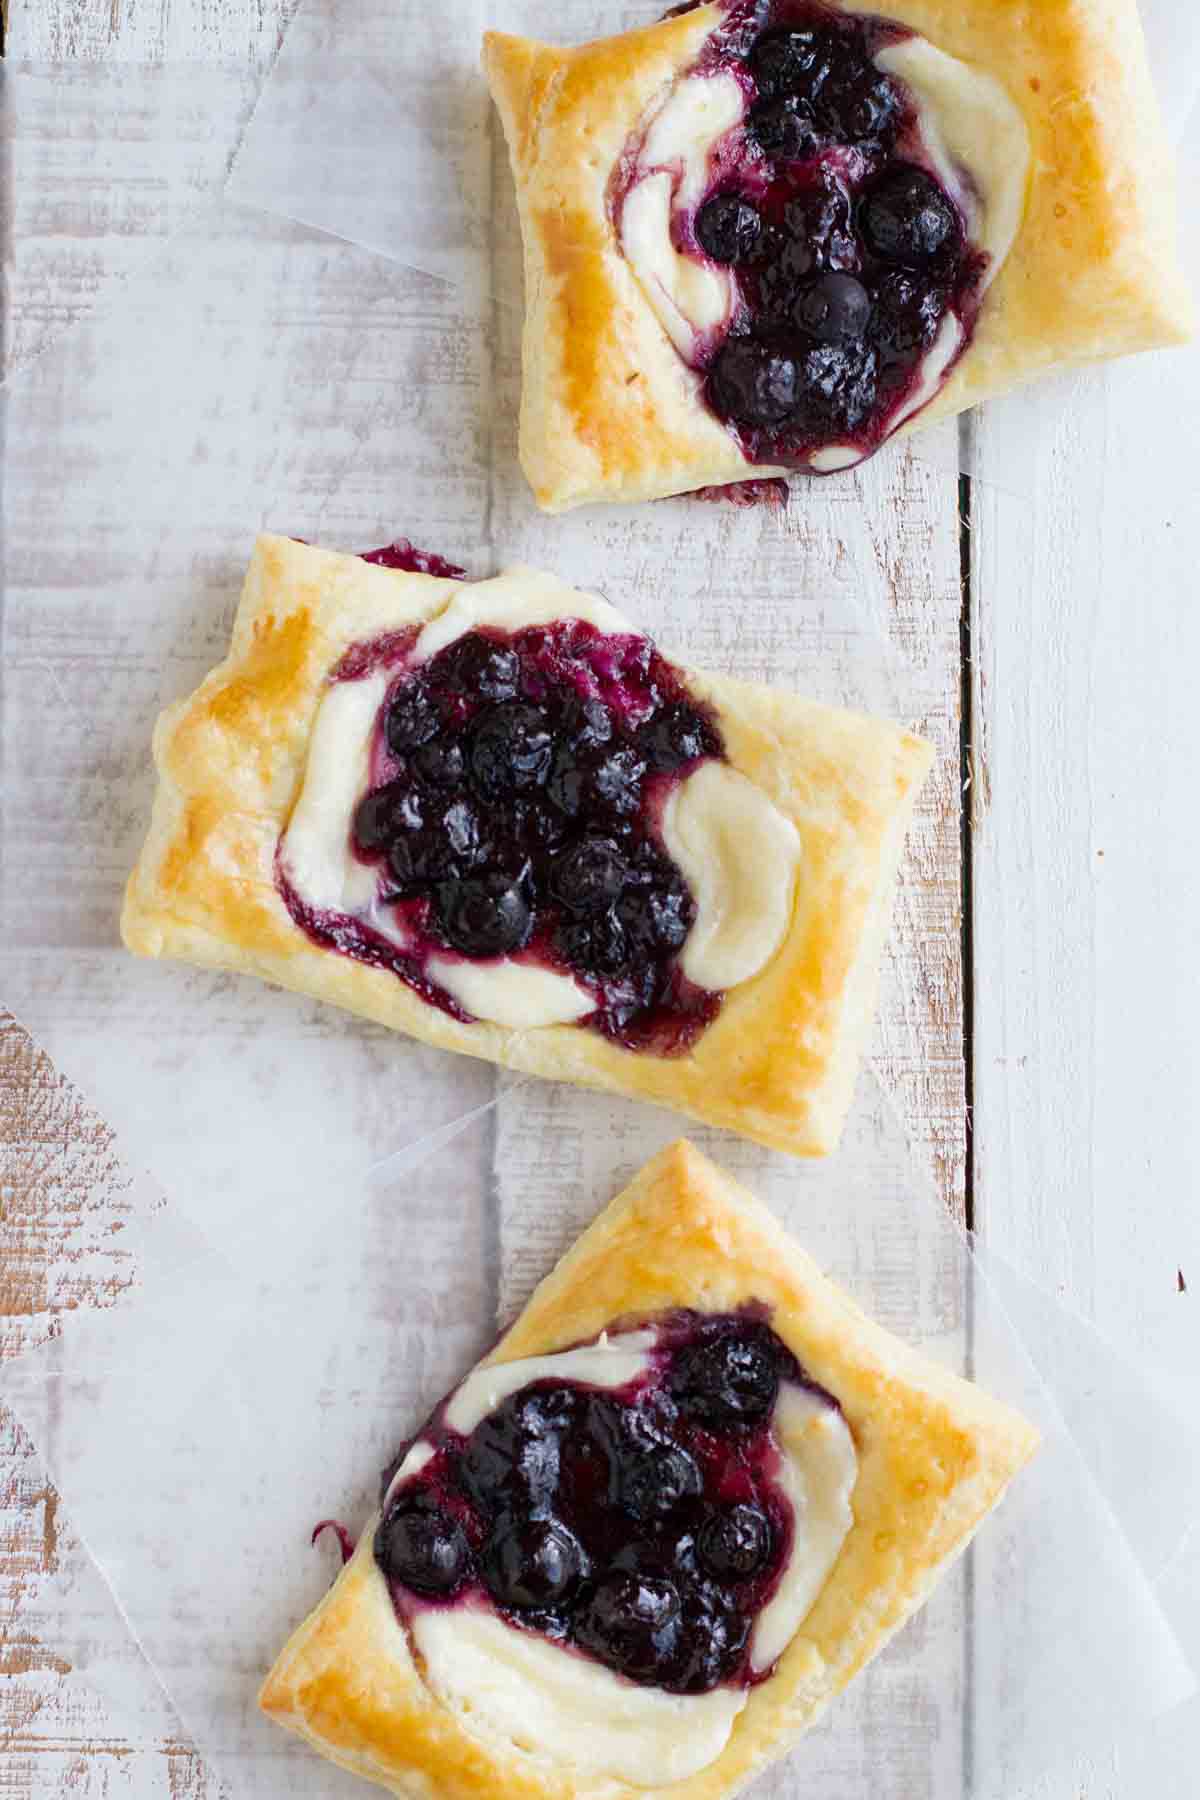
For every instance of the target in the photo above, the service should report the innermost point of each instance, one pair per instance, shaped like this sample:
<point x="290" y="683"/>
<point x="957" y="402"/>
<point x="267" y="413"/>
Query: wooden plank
<point x="1086" y="637"/>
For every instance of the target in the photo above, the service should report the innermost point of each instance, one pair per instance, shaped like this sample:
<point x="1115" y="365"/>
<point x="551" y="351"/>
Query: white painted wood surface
<point x="1086" y="993"/>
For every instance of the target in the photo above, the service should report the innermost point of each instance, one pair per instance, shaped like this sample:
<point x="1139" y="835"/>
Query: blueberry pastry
<point x="641" y="1547"/>
<point x="767" y="235"/>
<point x="493" y="816"/>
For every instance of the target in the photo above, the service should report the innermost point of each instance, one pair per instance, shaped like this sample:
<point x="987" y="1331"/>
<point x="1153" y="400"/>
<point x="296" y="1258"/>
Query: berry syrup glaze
<point x="517" y="786"/>
<point x="641" y="1526"/>
<point x="847" y="252"/>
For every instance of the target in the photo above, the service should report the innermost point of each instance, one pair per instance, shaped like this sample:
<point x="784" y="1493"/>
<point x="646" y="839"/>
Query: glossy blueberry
<point x="710" y="1648"/>
<point x="566" y="784"/>
<point x="653" y="1479"/>
<point x="586" y="726"/>
<point x="735" y="1544"/>
<point x="840" y="384"/>
<point x="588" y="877"/>
<point x="675" y="736"/>
<point x="411" y="720"/>
<point x="784" y="130"/>
<point x="728" y="228"/>
<point x="478" y="666"/>
<point x="859" y="105"/>
<point x="655" y="920"/>
<point x="631" y="1622"/>
<point x="616" y="784"/>
<point x="465" y="833"/>
<point x="511" y="749"/>
<point x="907" y="314"/>
<point x="753" y="383"/>
<point x="833" y="308"/>
<point x="596" y="946"/>
<point x="511" y="1461"/>
<point x="532" y="1563"/>
<point x="727" y="1382"/>
<point x="907" y="218"/>
<point x="440" y="763"/>
<point x="423" y="1547"/>
<point x="374" y="821"/>
<point x="485" y="915"/>
<point x="784" y="61"/>
<point x="418" y="858"/>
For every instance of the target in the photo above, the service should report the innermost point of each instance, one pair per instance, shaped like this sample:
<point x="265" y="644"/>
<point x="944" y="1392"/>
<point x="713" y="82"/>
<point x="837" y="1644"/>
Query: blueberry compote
<point x="642" y="1526"/>
<point x="847" y="252"/>
<point x="516" y="789"/>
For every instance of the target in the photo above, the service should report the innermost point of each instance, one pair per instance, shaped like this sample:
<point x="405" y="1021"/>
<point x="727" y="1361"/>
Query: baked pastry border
<point x="610" y="411"/>
<point x="779" y="1062"/>
<point x="935" y="1454"/>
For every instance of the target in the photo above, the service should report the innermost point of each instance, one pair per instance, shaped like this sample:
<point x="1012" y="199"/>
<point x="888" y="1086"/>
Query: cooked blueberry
<point x="419" y="857"/>
<point x="511" y="1461"/>
<point x="652" y="1480"/>
<point x="784" y="129"/>
<point x="860" y="104"/>
<point x="729" y="1381"/>
<point x="907" y="218"/>
<point x="734" y="1545"/>
<point x="589" y="876"/>
<point x="485" y="915"/>
<point x="411" y="720"/>
<point x="586" y="725"/>
<point x="841" y="382"/>
<point x="907" y="314"/>
<point x="631" y="1622"/>
<point x="709" y="1650"/>
<point x="655" y="920"/>
<point x="511" y="748"/>
<point x="532" y="1563"/>
<point x="374" y="819"/>
<point x="596" y="946"/>
<point x="675" y="736"/>
<point x="464" y="833"/>
<point x="440" y="763"/>
<point x="784" y="61"/>
<point x="833" y="308"/>
<point x="817" y="234"/>
<point x="753" y="383"/>
<point x="728" y="228"/>
<point x="617" y="781"/>
<point x="423" y="1547"/>
<point x="477" y="665"/>
<point x="566" y="784"/>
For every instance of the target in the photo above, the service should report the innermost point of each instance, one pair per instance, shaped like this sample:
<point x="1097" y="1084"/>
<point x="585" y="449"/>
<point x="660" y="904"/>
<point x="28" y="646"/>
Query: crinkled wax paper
<point x="300" y="1303"/>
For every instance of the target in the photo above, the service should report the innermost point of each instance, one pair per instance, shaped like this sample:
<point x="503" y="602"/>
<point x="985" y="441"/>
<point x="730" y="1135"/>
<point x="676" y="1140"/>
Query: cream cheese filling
<point x="739" y="856"/>
<point x="689" y="297"/>
<point x="510" y="1684"/>
<point x="973" y="132"/>
<point x="737" y="851"/>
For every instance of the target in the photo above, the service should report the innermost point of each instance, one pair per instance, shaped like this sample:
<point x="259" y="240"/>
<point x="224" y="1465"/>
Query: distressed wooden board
<point x="1086" y="639"/>
<point x="60" y="1234"/>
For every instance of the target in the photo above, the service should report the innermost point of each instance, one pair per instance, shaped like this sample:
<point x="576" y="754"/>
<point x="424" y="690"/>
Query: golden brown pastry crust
<point x="934" y="1456"/>
<point x="779" y="1062"/>
<point x="609" y="410"/>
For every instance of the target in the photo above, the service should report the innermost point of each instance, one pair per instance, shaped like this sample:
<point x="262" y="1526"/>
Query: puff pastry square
<point x="611" y="410"/>
<point x="777" y="1063"/>
<point x="933" y="1455"/>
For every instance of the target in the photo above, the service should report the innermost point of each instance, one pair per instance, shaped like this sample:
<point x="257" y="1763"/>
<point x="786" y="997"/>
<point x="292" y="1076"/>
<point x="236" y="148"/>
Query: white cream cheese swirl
<point x="736" y="849"/>
<point x="971" y="132"/>
<point x="511" y="1685"/>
